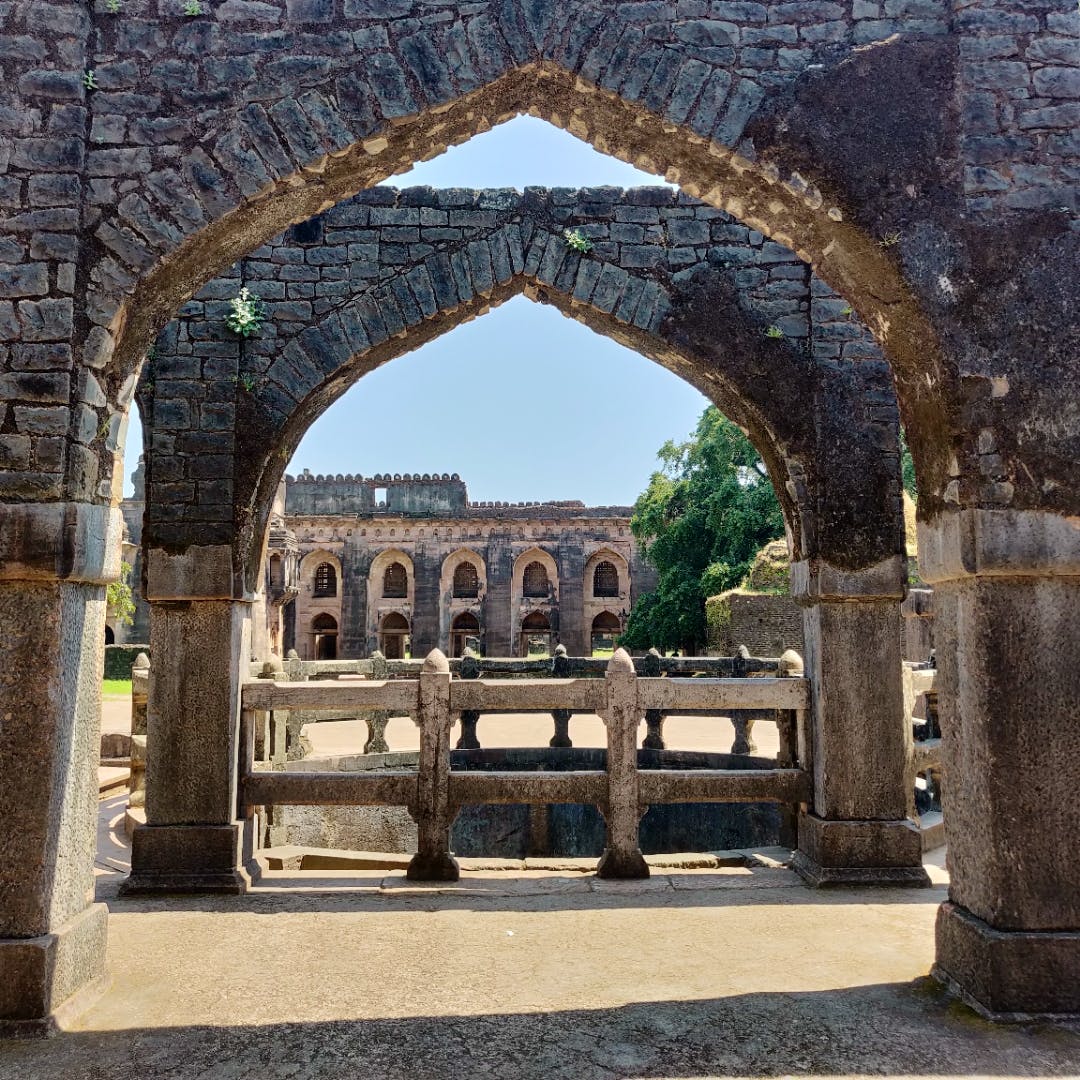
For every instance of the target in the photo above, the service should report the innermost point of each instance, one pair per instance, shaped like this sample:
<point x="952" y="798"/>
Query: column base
<point x="46" y="979"/>
<point x="616" y="864"/>
<point x="441" y="867"/>
<point x="859" y="853"/>
<point x="190" y="859"/>
<point x="1008" y="975"/>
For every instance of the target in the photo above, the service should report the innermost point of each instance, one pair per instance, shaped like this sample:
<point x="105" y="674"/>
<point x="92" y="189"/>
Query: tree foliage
<point x="701" y="521"/>
<point x="118" y="596"/>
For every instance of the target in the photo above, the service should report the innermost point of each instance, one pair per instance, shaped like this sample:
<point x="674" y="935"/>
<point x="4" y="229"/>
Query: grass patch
<point x="116" y="687"/>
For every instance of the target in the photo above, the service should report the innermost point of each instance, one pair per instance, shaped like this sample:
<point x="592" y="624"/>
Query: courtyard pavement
<point x="526" y="976"/>
<point x="529" y="975"/>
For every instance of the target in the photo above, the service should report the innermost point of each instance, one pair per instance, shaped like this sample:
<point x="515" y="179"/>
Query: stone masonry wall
<point x="145" y="151"/>
<point x="380" y="274"/>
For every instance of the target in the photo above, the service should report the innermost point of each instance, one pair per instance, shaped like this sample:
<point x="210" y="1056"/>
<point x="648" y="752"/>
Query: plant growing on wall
<point x="577" y="240"/>
<point x="246" y="314"/>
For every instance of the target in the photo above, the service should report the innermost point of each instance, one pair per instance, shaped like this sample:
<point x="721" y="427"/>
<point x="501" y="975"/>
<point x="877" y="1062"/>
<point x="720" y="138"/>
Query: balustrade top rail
<point x="560" y="665"/>
<point x="490" y="695"/>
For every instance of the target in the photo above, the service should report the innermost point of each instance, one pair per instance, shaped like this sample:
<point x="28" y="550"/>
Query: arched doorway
<point x="464" y="633"/>
<point x="394" y="636"/>
<point x="110" y="635"/>
<point x="606" y="627"/>
<point x="324" y="629"/>
<point x="535" y="638"/>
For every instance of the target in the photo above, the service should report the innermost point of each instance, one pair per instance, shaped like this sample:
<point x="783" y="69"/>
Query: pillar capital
<point x="970" y="542"/>
<point x="72" y="541"/>
<point x="203" y="572"/>
<point x="814" y="581"/>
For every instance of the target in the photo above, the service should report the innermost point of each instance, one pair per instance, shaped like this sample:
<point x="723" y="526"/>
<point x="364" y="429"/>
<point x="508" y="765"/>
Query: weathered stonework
<point x="390" y="269"/>
<point x="920" y="156"/>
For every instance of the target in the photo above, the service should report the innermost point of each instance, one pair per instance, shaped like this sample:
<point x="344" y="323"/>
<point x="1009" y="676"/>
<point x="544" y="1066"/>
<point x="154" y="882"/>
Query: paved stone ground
<point x="552" y="976"/>
<point x="526" y="975"/>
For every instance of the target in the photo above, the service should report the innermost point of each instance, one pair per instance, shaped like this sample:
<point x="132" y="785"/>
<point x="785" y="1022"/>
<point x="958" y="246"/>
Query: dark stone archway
<point x="924" y="163"/>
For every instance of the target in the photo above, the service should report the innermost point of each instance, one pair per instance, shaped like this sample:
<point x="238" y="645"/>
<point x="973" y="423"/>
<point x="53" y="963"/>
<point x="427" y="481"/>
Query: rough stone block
<point x="1007" y="975"/>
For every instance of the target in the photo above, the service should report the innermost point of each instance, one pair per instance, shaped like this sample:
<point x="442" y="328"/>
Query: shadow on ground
<point x="887" y="1029"/>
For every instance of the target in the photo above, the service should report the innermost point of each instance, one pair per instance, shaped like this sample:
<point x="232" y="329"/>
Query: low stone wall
<point x="766" y="623"/>
<point x="119" y="660"/>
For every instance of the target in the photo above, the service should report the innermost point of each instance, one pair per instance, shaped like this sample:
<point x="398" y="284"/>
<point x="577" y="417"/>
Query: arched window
<point x="466" y="581"/>
<point x="535" y="580"/>
<point x="535" y="637"/>
<point x="536" y="620"/>
<point x="394" y="635"/>
<point x="605" y="580"/>
<point x="325" y="580"/>
<point x="395" y="582"/>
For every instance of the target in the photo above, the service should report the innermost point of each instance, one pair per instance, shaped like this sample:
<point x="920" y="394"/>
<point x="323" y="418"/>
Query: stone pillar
<point x="857" y="830"/>
<point x="54" y="562"/>
<point x="140" y="695"/>
<point x="193" y="841"/>
<point x="433" y="860"/>
<point x="622" y="856"/>
<point x="1007" y="597"/>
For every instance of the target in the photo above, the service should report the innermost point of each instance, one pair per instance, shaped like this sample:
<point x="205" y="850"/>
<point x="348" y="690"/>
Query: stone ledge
<point x="998" y="543"/>
<point x="814" y="581"/>
<point x="46" y="978"/>
<point x="1007" y="975"/>
<point x="69" y="541"/>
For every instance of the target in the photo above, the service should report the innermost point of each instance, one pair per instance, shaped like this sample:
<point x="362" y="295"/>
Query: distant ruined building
<point x="408" y="563"/>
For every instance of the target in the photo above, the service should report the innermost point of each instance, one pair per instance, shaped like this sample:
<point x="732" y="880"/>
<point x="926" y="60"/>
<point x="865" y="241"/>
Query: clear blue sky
<point x="523" y="402"/>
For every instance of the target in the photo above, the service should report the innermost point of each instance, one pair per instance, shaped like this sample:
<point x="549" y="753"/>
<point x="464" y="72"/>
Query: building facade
<point x="405" y="564"/>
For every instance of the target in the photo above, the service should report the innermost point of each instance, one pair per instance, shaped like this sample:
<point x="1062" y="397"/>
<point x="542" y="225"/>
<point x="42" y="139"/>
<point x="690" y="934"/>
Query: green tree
<point x="118" y="597"/>
<point x="700" y="522"/>
<point x="907" y="467"/>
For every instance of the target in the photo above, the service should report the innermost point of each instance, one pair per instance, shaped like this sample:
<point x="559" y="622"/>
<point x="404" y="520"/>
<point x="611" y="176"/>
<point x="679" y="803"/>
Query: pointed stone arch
<point x="706" y="320"/>
<point x="671" y="105"/>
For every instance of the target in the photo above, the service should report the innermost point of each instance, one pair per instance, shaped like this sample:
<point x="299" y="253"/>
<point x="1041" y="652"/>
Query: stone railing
<point x="433" y="793"/>
<point x="924" y="757"/>
<point x="558" y="666"/>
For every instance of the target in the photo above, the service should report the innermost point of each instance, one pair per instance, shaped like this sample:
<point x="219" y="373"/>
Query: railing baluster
<point x="246" y="751"/>
<point x="789" y="753"/>
<point x="140" y="695"/>
<point x="560" y="669"/>
<point x="470" y="718"/>
<point x="622" y="857"/>
<point x="654" y="733"/>
<point x="433" y="860"/>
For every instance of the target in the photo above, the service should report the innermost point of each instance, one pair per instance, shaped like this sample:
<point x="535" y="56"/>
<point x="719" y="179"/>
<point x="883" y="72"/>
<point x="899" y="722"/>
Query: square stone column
<point x="54" y="562"/>
<point x="1007" y="594"/>
<point x="193" y="841"/>
<point x="857" y="831"/>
